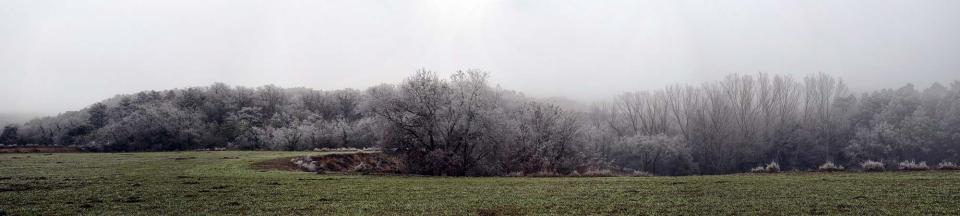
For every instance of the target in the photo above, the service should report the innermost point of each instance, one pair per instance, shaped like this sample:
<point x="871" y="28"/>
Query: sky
<point x="64" y="55"/>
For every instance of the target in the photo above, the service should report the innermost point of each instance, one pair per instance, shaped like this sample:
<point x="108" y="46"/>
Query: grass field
<point x="204" y="183"/>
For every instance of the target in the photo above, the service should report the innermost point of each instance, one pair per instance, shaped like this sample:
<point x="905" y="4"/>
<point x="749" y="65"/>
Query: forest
<point x="462" y="125"/>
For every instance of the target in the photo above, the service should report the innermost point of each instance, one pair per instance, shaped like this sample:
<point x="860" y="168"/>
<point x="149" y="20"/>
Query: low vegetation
<point x="872" y="166"/>
<point x="945" y="165"/>
<point x="913" y="166"/>
<point x="230" y="183"/>
<point x="830" y="167"/>
<point x="772" y="167"/>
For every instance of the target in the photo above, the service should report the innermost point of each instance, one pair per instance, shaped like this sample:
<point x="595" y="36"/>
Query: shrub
<point x="772" y="167"/>
<point x="872" y="166"/>
<point x="830" y="167"/>
<point x="639" y="173"/>
<point x="947" y="166"/>
<point x="912" y="166"/>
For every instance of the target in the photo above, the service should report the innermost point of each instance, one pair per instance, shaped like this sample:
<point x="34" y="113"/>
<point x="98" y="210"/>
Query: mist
<point x="57" y="56"/>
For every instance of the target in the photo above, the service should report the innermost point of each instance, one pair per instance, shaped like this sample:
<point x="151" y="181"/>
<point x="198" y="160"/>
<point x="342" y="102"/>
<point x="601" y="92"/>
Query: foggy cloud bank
<point x="62" y="55"/>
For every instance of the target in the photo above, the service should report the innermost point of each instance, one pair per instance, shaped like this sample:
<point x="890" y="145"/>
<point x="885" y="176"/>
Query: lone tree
<point x="440" y="125"/>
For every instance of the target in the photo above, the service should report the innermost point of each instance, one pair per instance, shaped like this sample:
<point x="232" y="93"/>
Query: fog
<point x="65" y="55"/>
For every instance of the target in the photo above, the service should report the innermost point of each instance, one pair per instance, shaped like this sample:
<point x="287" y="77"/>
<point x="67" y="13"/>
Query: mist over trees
<point x="463" y="125"/>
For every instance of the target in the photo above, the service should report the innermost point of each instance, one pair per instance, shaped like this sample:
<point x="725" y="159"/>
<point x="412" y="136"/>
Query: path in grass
<point x="203" y="183"/>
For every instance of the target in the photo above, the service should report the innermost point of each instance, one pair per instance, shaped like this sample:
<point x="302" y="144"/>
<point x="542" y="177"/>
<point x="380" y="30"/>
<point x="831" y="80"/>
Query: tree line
<point x="463" y="125"/>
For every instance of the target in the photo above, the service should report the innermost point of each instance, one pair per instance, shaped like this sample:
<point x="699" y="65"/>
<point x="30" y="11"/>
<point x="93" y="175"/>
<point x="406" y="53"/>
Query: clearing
<point x="205" y="183"/>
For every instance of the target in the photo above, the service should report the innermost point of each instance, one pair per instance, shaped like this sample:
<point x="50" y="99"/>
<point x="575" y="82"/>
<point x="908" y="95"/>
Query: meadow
<point x="223" y="183"/>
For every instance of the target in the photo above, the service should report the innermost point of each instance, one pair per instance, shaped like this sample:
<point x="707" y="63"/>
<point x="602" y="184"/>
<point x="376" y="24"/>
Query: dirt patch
<point x="367" y="163"/>
<point x="282" y="164"/>
<point x="37" y="149"/>
<point x="359" y="162"/>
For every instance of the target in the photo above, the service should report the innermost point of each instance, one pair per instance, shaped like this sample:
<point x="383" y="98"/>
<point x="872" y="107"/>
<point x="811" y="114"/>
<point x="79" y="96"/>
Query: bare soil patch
<point x="359" y="162"/>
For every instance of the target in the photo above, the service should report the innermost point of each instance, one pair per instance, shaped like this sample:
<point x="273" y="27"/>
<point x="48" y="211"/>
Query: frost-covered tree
<point x="9" y="135"/>
<point x="463" y="125"/>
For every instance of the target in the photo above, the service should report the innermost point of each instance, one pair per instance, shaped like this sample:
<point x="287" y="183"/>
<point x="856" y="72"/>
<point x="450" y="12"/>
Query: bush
<point x="912" y="166"/>
<point x="947" y="166"/>
<point x="639" y="173"/>
<point x="772" y="167"/>
<point x="830" y="167"/>
<point x="872" y="166"/>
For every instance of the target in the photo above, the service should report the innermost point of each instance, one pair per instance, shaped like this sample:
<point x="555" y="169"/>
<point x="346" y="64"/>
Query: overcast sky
<point x="64" y="55"/>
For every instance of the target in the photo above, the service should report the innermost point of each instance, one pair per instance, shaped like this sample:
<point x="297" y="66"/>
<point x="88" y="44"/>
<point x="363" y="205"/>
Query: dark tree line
<point x="465" y="126"/>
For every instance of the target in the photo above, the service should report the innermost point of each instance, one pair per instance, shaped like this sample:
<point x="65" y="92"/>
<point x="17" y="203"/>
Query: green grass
<point x="208" y="183"/>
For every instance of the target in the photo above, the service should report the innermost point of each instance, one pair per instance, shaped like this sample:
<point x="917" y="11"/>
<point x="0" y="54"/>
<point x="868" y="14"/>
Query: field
<point x="205" y="183"/>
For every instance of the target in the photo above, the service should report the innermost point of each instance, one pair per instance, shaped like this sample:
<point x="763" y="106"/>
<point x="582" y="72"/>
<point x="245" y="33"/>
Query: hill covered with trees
<point x="463" y="125"/>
